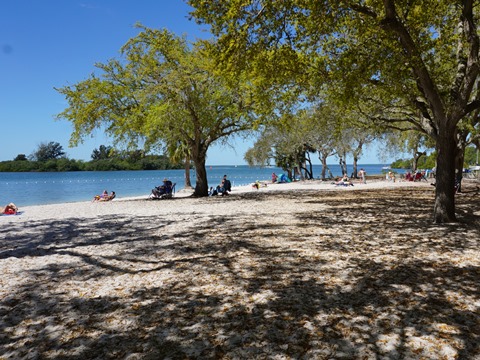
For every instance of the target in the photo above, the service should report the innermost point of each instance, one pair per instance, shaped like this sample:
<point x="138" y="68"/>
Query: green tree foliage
<point x="285" y="143"/>
<point x="420" y="58"/>
<point x="48" y="151"/>
<point x="103" y="152"/>
<point x="162" y="91"/>
<point x="20" y="157"/>
<point x="116" y="160"/>
<point x="429" y="161"/>
<point x="52" y="165"/>
<point x="471" y="156"/>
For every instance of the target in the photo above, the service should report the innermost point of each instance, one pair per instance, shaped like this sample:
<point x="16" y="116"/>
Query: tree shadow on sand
<point x="359" y="278"/>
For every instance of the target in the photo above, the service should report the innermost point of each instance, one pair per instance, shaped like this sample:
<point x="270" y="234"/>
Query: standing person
<point x="363" y="175"/>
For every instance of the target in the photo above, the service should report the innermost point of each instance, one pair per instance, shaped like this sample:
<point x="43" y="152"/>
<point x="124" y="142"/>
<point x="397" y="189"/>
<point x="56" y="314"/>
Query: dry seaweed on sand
<point x="293" y="274"/>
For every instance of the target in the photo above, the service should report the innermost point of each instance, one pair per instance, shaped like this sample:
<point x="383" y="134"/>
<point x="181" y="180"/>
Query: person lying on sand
<point x="10" y="209"/>
<point x="104" y="196"/>
<point x="108" y="197"/>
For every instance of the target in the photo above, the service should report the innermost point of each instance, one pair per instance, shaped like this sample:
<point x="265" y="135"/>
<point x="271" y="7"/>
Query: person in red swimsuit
<point x="10" y="209"/>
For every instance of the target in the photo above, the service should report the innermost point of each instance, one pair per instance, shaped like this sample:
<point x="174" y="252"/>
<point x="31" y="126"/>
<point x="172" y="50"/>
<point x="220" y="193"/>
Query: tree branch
<point x="426" y="85"/>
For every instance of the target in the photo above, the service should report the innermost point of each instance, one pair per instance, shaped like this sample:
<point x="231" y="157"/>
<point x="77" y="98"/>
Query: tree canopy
<point x="163" y="91"/>
<point x="48" y="151"/>
<point x="416" y="61"/>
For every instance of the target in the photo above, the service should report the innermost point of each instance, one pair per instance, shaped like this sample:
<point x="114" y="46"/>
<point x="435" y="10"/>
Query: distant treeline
<point x="424" y="161"/>
<point x="50" y="157"/>
<point x="148" y="162"/>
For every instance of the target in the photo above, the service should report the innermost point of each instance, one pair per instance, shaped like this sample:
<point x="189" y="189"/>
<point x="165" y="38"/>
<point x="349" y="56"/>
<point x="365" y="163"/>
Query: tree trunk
<point x="297" y="170"/>
<point x="188" y="182"/>
<point x="323" y="160"/>
<point x="343" y="164"/>
<point x="416" y="158"/>
<point x="309" y="171"/>
<point x="201" y="186"/>
<point x="459" y="159"/>
<point x="355" y="171"/>
<point x="329" y="173"/>
<point x="444" y="209"/>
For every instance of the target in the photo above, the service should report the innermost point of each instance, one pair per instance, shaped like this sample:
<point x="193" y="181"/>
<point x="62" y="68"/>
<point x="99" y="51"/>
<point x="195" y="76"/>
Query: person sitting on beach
<point x="212" y="191"/>
<point x="109" y="197"/>
<point x="221" y="190"/>
<point x="10" y="209"/>
<point x="165" y="188"/>
<point x="274" y="178"/>
<point x="344" y="181"/>
<point x="390" y="176"/>
<point x="419" y="176"/>
<point x="227" y="184"/>
<point x="101" y="197"/>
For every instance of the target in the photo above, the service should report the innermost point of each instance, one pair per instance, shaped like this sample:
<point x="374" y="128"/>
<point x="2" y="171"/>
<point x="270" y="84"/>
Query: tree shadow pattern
<point x="356" y="275"/>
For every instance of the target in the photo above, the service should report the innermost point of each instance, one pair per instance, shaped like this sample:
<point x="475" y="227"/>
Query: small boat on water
<point x="386" y="167"/>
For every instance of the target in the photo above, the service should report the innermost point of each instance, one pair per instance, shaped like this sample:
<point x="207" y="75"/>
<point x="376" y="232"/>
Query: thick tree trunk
<point x="444" y="209"/>
<point x="201" y="186"/>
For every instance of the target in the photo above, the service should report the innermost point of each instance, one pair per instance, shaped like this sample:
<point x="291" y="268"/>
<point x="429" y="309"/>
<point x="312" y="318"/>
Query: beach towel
<point x="12" y="213"/>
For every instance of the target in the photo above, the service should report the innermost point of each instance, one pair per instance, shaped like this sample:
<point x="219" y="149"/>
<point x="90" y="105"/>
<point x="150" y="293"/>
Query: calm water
<point x="49" y="188"/>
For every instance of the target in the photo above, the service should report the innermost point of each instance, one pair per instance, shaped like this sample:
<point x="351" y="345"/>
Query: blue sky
<point x="53" y="43"/>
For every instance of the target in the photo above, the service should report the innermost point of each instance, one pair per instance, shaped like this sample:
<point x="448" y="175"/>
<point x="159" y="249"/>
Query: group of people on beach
<point x="345" y="181"/>
<point x="105" y="196"/>
<point x="222" y="189"/>
<point x="418" y="175"/>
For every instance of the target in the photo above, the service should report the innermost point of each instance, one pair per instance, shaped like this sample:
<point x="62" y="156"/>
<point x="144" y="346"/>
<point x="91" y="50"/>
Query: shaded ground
<point x="313" y="275"/>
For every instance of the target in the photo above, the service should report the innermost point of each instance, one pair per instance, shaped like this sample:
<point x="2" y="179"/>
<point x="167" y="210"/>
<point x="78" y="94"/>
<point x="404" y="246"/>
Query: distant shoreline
<point x="58" y="187"/>
<point x="136" y="204"/>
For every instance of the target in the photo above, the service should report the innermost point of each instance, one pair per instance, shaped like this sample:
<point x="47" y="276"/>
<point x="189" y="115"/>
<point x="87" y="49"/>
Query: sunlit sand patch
<point x="300" y="272"/>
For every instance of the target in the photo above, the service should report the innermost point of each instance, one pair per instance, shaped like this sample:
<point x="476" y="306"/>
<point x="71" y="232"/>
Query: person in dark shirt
<point x="227" y="185"/>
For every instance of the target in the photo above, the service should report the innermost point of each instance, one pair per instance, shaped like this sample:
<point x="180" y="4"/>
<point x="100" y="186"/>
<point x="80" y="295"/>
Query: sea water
<point x="26" y="189"/>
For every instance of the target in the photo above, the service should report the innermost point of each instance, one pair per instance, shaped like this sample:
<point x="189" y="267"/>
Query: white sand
<point x="133" y="205"/>
<point x="283" y="272"/>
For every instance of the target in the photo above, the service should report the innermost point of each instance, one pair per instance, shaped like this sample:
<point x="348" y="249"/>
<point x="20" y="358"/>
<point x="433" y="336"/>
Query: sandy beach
<point x="305" y="270"/>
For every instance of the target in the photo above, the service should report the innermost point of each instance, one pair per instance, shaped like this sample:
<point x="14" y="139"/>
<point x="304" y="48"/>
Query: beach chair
<point x="158" y="194"/>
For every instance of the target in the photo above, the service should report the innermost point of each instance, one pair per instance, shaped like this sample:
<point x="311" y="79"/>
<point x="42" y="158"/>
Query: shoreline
<point x="124" y="204"/>
<point x="54" y="188"/>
